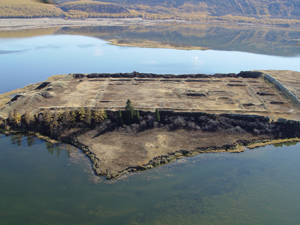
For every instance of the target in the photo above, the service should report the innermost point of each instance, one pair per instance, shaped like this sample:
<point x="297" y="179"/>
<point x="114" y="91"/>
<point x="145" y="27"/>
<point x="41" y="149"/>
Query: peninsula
<point x="127" y="122"/>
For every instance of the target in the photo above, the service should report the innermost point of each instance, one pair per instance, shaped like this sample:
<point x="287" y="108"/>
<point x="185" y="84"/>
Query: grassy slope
<point x="93" y="7"/>
<point x="82" y="9"/>
<point x="285" y="9"/>
<point x="27" y="8"/>
<point x="249" y="11"/>
<point x="268" y="8"/>
<point x="77" y="9"/>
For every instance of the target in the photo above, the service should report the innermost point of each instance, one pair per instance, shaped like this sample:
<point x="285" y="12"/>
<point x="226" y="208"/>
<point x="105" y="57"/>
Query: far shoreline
<point x="15" y="24"/>
<point x="38" y="23"/>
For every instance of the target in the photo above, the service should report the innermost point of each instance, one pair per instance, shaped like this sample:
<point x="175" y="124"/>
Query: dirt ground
<point x="118" y="151"/>
<point x="210" y="94"/>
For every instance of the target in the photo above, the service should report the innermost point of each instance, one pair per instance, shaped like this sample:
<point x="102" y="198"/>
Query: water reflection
<point x="9" y="52"/>
<point x="246" y="188"/>
<point x="285" y="144"/>
<point x="31" y="140"/>
<point x="52" y="148"/>
<point x="38" y="64"/>
<point x="16" y="139"/>
<point x="260" y="40"/>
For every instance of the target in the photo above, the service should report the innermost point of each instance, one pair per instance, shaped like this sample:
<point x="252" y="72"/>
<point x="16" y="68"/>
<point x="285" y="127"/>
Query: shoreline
<point x="157" y="161"/>
<point x="37" y="23"/>
<point x="118" y="144"/>
<point x="15" y="24"/>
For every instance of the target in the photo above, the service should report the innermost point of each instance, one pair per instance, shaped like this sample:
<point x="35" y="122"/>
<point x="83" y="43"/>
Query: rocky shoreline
<point x="279" y="135"/>
<point x="159" y="160"/>
<point x="165" y="159"/>
<point x="194" y="113"/>
<point x="290" y="128"/>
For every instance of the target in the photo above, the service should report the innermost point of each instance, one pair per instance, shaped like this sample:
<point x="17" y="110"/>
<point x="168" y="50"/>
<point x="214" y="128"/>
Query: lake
<point x="54" y="184"/>
<point x="45" y="184"/>
<point x="25" y="60"/>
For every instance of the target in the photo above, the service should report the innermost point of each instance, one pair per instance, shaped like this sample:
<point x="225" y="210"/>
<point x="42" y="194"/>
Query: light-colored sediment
<point x="22" y="24"/>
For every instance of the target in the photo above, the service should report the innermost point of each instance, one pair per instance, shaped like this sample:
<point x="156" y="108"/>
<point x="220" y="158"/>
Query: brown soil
<point x="118" y="151"/>
<point x="212" y="95"/>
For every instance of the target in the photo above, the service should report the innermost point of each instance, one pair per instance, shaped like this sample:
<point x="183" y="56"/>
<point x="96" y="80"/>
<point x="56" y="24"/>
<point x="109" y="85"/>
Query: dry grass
<point x="93" y="7"/>
<point x="210" y="95"/>
<point x="96" y="9"/>
<point x="5" y="97"/>
<point x="56" y="77"/>
<point x="119" y="150"/>
<point x="27" y="9"/>
<point x="290" y="79"/>
<point x="272" y="142"/>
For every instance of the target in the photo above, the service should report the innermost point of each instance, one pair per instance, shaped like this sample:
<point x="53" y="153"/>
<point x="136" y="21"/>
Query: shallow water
<point x="29" y="60"/>
<point x="45" y="184"/>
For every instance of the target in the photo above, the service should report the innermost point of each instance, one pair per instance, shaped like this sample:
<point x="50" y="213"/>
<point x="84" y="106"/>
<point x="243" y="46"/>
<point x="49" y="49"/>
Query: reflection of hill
<point x="28" y="33"/>
<point x="93" y="31"/>
<point x="255" y="40"/>
<point x="279" y="41"/>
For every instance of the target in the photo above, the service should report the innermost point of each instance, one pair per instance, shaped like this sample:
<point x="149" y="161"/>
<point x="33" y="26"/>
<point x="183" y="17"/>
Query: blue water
<point x="45" y="184"/>
<point x="29" y="60"/>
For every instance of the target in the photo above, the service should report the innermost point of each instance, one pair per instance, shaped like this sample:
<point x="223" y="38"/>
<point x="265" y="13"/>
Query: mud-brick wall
<point x="282" y="89"/>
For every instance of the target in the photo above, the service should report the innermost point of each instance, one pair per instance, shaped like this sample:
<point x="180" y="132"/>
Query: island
<point x="128" y="122"/>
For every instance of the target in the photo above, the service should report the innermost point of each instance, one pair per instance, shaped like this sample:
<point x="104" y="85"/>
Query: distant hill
<point x="269" y="8"/>
<point x="273" y="8"/>
<point x="93" y="7"/>
<point x="62" y="8"/>
<point x="27" y="9"/>
<point x="254" y="11"/>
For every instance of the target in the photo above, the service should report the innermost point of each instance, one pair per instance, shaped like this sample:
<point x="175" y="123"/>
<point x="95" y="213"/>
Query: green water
<point x="45" y="184"/>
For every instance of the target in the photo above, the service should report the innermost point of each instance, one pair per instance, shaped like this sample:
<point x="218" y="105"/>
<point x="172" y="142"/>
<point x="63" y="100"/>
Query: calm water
<point x="28" y="60"/>
<point x="45" y="184"/>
